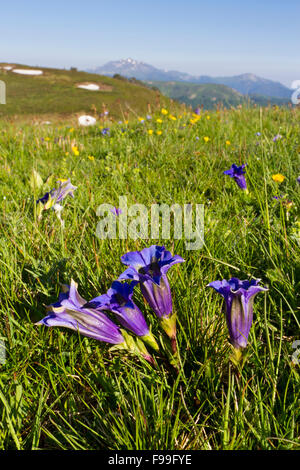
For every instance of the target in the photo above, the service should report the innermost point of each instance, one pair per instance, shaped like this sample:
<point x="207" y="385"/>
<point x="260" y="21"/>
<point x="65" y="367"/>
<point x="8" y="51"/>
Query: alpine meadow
<point x="125" y="337"/>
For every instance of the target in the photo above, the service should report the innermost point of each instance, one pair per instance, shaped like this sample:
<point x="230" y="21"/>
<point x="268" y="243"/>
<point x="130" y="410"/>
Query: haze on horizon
<point x="217" y="39"/>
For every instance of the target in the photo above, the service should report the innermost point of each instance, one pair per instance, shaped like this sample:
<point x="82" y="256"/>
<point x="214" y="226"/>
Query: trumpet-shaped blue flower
<point x="149" y="267"/>
<point x="239" y="296"/>
<point x="237" y="173"/>
<point x="69" y="312"/>
<point x="118" y="300"/>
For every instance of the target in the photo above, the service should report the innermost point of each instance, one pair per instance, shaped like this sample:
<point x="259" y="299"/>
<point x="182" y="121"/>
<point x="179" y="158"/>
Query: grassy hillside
<point x="55" y="92"/>
<point x="206" y="95"/>
<point x="61" y="390"/>
<point x="210" y="95"/>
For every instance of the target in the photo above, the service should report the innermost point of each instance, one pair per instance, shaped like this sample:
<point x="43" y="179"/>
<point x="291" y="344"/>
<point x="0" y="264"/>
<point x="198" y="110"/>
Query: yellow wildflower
<point x="207" y="117"/>
<point x="228" y="142"/>
<point x="159" y="121"/>
<point x="158" y="132"/>
<point x="164" y="111"/>
<point x="91" y="157"/>
<point x="278" y="178"/>
<point x="206" y="139"/>
<point x="150" y="131"/>
<point x="75" y="150"/>
<point x="72" y="129"/>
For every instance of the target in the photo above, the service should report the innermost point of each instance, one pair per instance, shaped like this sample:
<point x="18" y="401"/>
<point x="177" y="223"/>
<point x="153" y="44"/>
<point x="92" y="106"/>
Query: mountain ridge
<point x="246" y="83"/>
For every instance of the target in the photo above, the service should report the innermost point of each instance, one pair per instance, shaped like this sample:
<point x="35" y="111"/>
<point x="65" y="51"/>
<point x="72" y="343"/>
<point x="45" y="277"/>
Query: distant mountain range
<point x="208" y="95"/>
<point x="246" y="84"/>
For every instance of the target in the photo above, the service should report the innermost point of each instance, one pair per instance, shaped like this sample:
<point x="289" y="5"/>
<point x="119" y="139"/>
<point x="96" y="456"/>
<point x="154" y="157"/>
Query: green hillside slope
<point x="206" y="95"/>
<point x="56" y="92"/>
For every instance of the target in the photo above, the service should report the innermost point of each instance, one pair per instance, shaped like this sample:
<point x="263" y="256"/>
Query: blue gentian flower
<point x="118" y="300"/>
<point x="68" y="312"/>
<point x="239" y="296"/>
<point x="53" y="198"/>
<point x="149" y="267"/>
<point x="237" y="173"/>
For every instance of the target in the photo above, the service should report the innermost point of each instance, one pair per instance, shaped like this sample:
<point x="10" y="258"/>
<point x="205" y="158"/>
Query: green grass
<point x="59" y="390"/>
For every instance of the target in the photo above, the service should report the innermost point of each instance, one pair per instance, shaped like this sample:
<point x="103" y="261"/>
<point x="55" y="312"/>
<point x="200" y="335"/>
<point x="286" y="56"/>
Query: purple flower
<point x="239" y="296"/>
<point x="62" y="191"/>
<point x="44" y="198"/>
<point x="69" y="312"/>
<point x="237" y="172"/>
<point x="118" y="300"/>
<point x="53" y="198"/>
<point x="258" y="134"/>
<point x="298" y="179"/>
<point x="105" y="131"/>
<point x="197" y="111"/>
<point x="116" y="211"/>
<point x="149" y="267"/>
<point x="56" y="195"/>
<point x="277" y="137"/>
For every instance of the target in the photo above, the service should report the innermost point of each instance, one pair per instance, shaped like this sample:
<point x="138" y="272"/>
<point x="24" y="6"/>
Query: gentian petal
<point x="239" y="296"/>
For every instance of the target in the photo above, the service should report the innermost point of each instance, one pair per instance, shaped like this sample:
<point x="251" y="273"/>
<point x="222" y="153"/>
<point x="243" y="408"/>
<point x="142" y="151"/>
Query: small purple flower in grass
<point x="237" y="173"/>
<point x="118" y="300"/>
<point x="56" y="195"/>
<point x="116" y="211"/>
<point x="53" y="198"/>
<point x="277" y="137"/>
<point x="298" y="180"/>
<point x="105" y="131"/>
<point x="149" y="267"/>
<point x="239" y="296"/>
<point x="68" y="312"/>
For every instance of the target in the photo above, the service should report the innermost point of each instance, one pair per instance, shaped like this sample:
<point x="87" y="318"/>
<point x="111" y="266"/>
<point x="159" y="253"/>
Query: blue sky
<point x="201" y="37"/>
